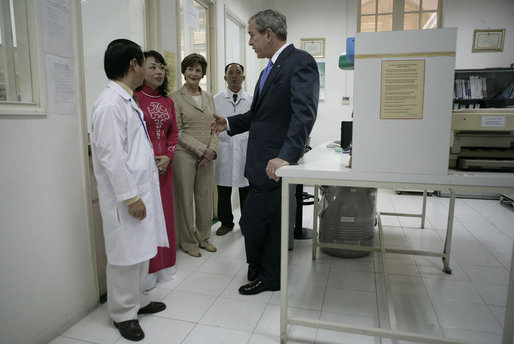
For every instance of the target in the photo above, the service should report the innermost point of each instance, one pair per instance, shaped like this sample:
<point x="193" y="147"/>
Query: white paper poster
<point x="60" y="85"/>
<point x="57" y="27"/>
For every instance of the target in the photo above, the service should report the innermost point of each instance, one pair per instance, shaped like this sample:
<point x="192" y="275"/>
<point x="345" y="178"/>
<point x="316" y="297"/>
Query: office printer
<point x="482" y="139"/>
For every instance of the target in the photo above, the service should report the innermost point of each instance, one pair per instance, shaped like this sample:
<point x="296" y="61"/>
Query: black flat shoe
<point x="130" y="330"/>
<point x="152" y="307"/>
<point x="257" y="287"/>
<point x="253" y="272"/>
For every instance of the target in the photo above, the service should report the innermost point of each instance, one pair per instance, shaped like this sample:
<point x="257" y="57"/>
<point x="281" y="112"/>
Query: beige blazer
<point x="194" y="131"/>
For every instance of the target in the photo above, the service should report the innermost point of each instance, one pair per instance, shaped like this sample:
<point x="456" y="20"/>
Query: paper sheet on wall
<point x="321" y="69"/>
<point x="170" y="59"/>
<point x="401" y="89"/>
<point x="61" y="86"/>
<point x="57" y="27"/>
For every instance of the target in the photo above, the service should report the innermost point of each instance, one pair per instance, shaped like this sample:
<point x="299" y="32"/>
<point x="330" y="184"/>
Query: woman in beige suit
<point x="193" y="162"/>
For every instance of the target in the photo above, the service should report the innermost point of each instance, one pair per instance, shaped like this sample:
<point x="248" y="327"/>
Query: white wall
<point x="97" y="35"/>
<point x="45" y="262"/>
<point x="468" y="15"/>
<point x="334" y="20"/>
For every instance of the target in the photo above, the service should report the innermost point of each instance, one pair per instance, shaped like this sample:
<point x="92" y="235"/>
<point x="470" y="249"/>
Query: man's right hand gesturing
<point x="218" y="124"/>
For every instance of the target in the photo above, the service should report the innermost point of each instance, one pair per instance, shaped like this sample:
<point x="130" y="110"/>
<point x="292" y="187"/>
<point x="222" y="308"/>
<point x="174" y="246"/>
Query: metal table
<point x="323" y="166"/>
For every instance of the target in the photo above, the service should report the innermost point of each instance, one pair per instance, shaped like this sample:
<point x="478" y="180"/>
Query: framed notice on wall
<point x="401" y="89"/>
<point x="314" y="46"/>
<point x="488" y="40"/>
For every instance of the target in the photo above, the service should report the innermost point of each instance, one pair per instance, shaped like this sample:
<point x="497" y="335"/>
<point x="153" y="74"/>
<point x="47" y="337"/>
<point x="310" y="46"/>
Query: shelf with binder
<point x="483" y="88"/>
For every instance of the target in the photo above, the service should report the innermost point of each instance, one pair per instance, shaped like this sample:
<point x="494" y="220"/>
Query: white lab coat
<point x="231" y="159"/>
<point x="124" y="165"/>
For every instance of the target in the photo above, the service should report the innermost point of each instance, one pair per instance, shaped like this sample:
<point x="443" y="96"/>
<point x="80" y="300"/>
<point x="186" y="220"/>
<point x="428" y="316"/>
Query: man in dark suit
<point x="279" y="122"/>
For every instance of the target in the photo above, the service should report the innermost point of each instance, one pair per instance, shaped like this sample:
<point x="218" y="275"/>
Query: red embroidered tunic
<point x="162" y="128"/>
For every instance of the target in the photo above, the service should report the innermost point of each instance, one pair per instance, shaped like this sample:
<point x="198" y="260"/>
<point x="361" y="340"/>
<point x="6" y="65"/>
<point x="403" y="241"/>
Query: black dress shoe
<point x="253" y="272"/>
<point x="152" y="307"/>
<point x="130" y="330"/>
<point x="257" y="287"/>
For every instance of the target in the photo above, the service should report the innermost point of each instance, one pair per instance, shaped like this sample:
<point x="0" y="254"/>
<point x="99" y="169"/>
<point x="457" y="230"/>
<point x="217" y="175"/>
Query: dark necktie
<point x="265" y="74"/>
<point x="235" y="97"/>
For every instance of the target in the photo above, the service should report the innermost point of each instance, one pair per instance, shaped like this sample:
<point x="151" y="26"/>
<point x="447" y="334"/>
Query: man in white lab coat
<point x="128" y="188"/>
<point x="230" y="164"/>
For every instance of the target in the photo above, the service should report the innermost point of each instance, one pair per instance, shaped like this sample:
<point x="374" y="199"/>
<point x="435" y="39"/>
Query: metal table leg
<point x="424" y="209"/>
<point x="315" y="223"/>
<point x="508" y="323"/>
<point x="449" y="231"/>
<point x="284" y="239"/>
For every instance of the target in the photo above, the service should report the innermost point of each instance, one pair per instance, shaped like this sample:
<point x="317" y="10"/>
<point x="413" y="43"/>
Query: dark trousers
<point x="260" y="224"/>
<point x="225" y="215"/>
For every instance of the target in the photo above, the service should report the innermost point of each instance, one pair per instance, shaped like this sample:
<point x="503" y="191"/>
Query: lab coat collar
<point x="240" y="95"/>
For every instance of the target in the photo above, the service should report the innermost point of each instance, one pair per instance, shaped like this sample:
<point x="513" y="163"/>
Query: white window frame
<point x="243" y="28"/>
<point x="399" y="13"/>
<point x="184" y="29"/>
<point x="38" y="105"/>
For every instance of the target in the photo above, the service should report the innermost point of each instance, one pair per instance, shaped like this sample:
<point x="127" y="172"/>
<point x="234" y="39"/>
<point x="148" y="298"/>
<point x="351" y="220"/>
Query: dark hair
<point x="271" y="19"/>
<point x="118" y="55"/>
<point x="163" y="89"/>
<point x="192" y="59"/>
<point x="231" y="63"/>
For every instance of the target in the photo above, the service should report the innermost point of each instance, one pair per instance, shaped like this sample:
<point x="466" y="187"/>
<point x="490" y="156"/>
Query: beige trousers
<point x="193" y="189"/>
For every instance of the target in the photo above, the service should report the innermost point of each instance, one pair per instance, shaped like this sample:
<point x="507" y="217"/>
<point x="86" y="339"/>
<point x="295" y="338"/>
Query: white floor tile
<point x="493" y="294"/>
<point x="355" y="280"/>
<point x="409" y="309"/>
<point x="308" y="274"/>
<point x="306" y="296"/>
<point x="465" y="315"/>
<point x="222" y="265"/>
<point x="424" y="239"/>
<point x="472" y="337"/>
<point x="364" y="264"/>
<point x="234" y="314"/>
<point x="327" y="336"/>
<point x="405" y="285"/>
<point x="487" y="274"/>
<point x="421" y="329"/>
<point x="465" y="241"/>
<point x="186" y="306"/>
<point x="476" y="258"/>
<point x="97" y="327"/>
<point x="350" y="302"/>
<point x="499" y="314"/>
<point x="204" y="283"/>
<point x="270" y="323"/>
<point x="202" y="334"/>
<point x="270" y="339"/>
<point x="441" y="289"/>
<point x="66" y="340"/>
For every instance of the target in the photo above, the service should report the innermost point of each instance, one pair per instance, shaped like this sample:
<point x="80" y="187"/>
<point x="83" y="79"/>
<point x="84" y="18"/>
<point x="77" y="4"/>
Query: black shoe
<point x="257" y="287"/>
<point x="130" y="330"/>
<point x="253" y="272"/>
<point x="152" y="307"/>
<point x="224" y="230"/>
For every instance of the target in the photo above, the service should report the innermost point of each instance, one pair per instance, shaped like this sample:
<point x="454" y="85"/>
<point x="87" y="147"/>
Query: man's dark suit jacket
<point x="281" y="116"/>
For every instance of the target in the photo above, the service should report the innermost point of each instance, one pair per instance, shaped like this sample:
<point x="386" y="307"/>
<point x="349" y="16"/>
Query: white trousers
<point x="126" y="290"/>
